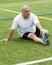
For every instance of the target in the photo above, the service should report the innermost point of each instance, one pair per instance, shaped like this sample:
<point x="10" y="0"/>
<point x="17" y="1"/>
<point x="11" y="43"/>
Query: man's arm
<point x="38" y="25"/>
<point x="9" y="35"/>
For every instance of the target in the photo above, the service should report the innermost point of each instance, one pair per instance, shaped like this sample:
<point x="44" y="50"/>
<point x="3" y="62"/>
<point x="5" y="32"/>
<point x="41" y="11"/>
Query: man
<point x="29" y="27"/>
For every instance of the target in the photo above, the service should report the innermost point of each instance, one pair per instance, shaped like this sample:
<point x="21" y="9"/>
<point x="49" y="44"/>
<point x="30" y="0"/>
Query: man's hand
<point x="44" y="31"/>
<point x="4" y="40"/>
<point x="8" y="37"/>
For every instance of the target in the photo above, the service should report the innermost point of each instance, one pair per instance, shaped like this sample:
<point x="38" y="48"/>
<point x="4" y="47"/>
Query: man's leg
<point x="45" y="36"/>
<point x="34" y="38"/>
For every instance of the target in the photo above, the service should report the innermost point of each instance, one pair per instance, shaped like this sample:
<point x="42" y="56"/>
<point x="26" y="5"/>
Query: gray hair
<point x="24" y="6"/>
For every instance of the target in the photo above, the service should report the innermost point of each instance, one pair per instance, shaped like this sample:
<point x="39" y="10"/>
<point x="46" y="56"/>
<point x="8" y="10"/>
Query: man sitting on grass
<point x="29" y="27"/>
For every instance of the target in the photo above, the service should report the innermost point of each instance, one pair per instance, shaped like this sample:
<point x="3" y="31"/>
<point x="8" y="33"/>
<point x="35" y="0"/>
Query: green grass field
<point x="18" y="50"/>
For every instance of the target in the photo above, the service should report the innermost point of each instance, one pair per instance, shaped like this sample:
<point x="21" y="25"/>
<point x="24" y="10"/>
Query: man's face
<point x="26" y="13"/>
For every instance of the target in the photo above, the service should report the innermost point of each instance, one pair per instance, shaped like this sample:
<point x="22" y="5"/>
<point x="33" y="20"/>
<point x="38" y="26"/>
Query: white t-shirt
<point x="25" y="25"/>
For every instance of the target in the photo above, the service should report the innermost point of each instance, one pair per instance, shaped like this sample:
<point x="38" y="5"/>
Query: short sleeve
<point x="35" y="19"/>
<point x="14" y="24"/>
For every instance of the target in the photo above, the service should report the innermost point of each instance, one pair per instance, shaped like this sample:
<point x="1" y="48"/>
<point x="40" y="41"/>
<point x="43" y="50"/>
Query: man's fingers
<point x="1" y="40"/>
<point x="4" y="40"/>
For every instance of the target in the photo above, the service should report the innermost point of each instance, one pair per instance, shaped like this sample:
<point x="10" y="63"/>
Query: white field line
<point x="36" y="61"/>
<point x="22" y="3"/>
<point x="30" y="1"/>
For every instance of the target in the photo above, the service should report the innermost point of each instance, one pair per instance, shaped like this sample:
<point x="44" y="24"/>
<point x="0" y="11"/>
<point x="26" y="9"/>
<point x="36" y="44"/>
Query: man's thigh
<point x="25" y="36"/>
<point x="37" y="33"/>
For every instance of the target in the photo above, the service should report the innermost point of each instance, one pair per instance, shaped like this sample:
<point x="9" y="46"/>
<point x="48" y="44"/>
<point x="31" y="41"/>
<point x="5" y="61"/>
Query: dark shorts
<point x="37" y="33"/>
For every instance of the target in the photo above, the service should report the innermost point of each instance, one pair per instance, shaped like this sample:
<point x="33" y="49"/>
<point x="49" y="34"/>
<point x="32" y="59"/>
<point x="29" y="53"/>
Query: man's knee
<point x="31" y="35"/>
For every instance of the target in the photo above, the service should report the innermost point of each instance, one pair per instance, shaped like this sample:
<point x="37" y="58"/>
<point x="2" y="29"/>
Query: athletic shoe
<point x="45" y="39"/>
